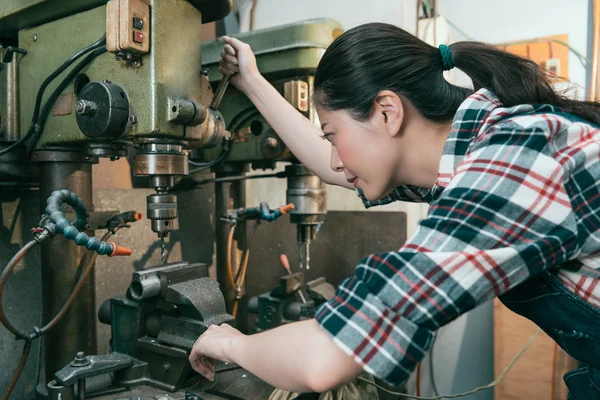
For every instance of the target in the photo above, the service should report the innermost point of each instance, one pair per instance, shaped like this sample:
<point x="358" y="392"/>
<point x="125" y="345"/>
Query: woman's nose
<point x="336" y="163"/>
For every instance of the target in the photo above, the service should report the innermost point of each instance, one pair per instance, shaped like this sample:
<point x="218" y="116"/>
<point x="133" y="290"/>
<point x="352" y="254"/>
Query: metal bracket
<point x="94" y="366"/>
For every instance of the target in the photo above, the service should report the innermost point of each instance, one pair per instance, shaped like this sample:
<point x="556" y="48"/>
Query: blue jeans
<point x="573" y="323"/>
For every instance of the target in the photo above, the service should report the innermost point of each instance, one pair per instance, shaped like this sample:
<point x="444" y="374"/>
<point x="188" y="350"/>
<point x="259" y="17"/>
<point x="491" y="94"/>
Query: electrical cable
<point x="17" y="143"/>
<point x="80" y="283"/>
<point x="18" y="370"/>
<point x="238" y="282"/>
<point x="228" y="257"/>
<point x="60" y="70"/>
<point x="14" y="261"/>
<point x="454" y="396"/>
<point x="206" y="165"/>
<point x="39" y="128"/>
<point x="241" y="276"/>
<point x="42" y="88"/>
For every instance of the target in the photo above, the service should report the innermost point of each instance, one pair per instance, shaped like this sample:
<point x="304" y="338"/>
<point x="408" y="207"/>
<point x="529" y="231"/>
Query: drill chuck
<point x="162" y="211"/>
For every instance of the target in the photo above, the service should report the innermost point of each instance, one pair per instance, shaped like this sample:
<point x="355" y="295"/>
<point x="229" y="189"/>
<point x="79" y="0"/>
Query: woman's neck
<point x="425" y="140"/>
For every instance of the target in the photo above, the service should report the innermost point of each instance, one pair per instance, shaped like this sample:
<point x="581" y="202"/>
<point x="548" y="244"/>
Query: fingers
<point x="229" y="64"/>
<point x="235" y="43"/>
<point x="229" y="50"/>
<point x="203" y="365"/>
<point x="226" y="70"/>
<point x="229" y="59"/>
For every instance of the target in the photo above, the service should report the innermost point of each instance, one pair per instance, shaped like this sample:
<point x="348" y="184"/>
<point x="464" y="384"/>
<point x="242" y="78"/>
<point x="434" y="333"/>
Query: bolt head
<point x="80" y="360"/>
<point x="35" y="37"/>
<point x="80" y="107"/>
<point x="272" y="142"/>
<point x="84" y="107"/>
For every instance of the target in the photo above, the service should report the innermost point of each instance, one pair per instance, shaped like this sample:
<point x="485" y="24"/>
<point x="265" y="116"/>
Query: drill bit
<point x="304" y="254"/>
<point x="163" y="254"/>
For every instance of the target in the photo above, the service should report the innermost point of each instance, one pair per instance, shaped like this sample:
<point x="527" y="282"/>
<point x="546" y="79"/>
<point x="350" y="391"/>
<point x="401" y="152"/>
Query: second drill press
<point x="309" y="196"/>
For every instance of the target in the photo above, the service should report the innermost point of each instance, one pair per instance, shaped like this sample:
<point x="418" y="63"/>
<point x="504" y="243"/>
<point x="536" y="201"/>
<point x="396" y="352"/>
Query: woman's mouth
<point x="353" y="181"/>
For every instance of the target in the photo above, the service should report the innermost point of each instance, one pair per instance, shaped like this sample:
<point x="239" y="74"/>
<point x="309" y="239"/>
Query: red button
<point x="138" y="37"/>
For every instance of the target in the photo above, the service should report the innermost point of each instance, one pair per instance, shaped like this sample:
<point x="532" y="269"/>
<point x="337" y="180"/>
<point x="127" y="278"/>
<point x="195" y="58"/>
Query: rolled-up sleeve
<point x="504" y="217"/>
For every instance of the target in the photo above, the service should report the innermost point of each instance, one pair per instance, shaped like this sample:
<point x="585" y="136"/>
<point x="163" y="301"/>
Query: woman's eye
<point x="327" y="136"/>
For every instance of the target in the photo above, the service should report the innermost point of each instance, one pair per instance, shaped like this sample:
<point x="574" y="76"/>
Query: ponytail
<point x="374" y="57"/>
<point x="515" y="80"/>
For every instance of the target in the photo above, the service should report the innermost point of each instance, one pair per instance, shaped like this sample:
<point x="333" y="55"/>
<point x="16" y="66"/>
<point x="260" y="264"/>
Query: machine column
<point x="63" y="261"/>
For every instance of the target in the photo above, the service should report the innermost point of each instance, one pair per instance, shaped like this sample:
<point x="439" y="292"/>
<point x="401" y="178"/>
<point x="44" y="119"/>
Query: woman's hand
<point x="237" y="58"/>
<point x="214" y="344"/>
<point x="298" y="357"/>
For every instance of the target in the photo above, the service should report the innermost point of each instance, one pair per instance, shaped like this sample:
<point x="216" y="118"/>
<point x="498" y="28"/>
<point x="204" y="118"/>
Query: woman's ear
<point x="389" y="105"/>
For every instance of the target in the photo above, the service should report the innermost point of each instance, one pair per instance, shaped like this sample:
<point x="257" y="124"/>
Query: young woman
<point x="511" y="174"/>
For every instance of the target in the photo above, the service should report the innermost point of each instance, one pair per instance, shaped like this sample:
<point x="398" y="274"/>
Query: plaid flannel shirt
<point x="517" y="194"/>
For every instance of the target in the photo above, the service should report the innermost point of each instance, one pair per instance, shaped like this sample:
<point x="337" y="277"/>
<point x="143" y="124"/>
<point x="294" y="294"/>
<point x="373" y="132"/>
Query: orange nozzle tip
<point x="137" y="216"/>
<point x="120" y="251"/>
<point x="287" y="208"/>
<point x="285" y="263"/>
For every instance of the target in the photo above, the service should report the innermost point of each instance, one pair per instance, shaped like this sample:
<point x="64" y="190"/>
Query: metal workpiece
<point x="155" y="281"/>
<point x="61" y="261"/>
<point x="102" y="110"/>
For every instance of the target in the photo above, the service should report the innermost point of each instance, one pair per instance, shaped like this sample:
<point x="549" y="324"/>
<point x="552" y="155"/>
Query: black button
<point x="138" y="23"/>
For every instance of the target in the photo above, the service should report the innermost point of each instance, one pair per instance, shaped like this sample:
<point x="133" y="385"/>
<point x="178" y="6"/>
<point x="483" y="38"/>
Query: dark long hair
<point x="374" y="57"/>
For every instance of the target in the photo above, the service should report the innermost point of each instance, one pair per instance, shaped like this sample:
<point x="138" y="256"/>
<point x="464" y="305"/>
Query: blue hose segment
<point x="267" y="214"/>
<point x="72" y="231"/>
